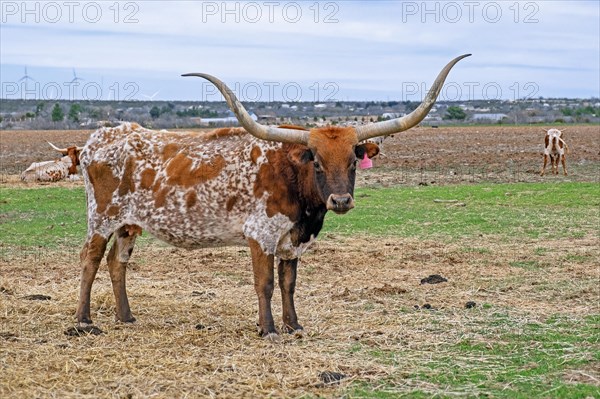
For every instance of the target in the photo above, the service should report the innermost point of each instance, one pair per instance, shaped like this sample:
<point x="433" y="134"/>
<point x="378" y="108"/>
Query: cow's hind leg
<point x="117" y="260"/>
<point x="545" y="163"/>
<point x="90" y="256"/>
<point x="286" y="271"/>
<point x="262" y="265"/>
<point x="564" y="164"/>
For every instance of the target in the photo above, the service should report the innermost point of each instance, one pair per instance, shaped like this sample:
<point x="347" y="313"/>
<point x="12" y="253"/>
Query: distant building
<point x="230" y="119"/>
<point x="489" y="117"/>
<point x="391" y="115"/>
<point x="267" y="118"/>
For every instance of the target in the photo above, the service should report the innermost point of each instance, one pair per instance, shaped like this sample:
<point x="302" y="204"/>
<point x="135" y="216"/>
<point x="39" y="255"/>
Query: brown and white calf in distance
<point x="556" y="149"/>
<point x="58" y="169"/>
<point x="267" y="187"/>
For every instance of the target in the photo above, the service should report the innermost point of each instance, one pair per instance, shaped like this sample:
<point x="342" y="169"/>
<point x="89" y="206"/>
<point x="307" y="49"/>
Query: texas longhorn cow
<point x="556" y="149"/>
<point x="270" y="189"/>
<point x="58" y="169"/>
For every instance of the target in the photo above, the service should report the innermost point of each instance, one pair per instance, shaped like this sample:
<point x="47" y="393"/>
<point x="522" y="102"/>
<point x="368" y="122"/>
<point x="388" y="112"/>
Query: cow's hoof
<point x="84" y="323"/>
<point x="272" y="337"/>
<point x="297" y="330"/>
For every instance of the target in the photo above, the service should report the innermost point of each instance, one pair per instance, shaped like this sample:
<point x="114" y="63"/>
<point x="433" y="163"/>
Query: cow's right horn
<point x="268" y="133"/>
<point x="397" y="125"/>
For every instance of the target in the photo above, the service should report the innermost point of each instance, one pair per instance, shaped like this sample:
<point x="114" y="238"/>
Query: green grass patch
<point x="44" y="217"/>
<point x="55" y="216"/>
<point x="578" y="258"/>
<point x="525" y="264"/>
<point x="513" y="211"/>
<point x="531" y="360"/>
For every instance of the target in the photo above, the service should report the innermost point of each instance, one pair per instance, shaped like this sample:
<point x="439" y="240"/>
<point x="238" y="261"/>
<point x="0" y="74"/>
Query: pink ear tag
<point x="365" y="163"/>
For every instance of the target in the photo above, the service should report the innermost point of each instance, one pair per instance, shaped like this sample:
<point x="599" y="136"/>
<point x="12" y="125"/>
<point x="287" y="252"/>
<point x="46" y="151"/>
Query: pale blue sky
<point x="347" y="50"/>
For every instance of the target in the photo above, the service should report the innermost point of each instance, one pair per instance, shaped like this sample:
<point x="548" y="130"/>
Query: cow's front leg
<point x="91" y="255"/>
<point x="262" y="264"/>
<point x="286" y="271"/>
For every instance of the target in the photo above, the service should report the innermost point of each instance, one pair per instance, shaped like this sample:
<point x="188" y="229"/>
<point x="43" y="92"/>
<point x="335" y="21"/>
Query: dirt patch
<point x="37" y="297"/>
<point x="450" y="155"/>
<point x="433" y="279"/>
<point x="83" y="331"/>
<point x="419" y="156"/>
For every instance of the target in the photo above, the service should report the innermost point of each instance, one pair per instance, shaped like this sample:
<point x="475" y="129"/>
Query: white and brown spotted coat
<point x="52" y="171"/>
<point x="188" y="189"/>
<point x="555" y="149"/>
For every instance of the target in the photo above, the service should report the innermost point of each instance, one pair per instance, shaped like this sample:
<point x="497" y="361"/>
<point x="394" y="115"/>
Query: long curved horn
<point x="268" y="133"/>
<point x="406" y="122"/>
<point x="78" y="149"/>
<point x="63" y="150"/>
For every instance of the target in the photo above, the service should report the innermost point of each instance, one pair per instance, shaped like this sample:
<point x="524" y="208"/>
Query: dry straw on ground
<point x="356" y="300"/>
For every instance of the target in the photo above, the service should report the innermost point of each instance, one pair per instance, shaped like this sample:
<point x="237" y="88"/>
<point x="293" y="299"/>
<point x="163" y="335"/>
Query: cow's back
<point x="189" y="189"/>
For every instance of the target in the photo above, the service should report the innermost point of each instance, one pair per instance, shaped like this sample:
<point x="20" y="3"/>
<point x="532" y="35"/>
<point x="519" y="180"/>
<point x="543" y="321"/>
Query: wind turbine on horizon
<point x="75" y="77"/>
<point x="151" y="98"/>
<point x="25" y="78"/>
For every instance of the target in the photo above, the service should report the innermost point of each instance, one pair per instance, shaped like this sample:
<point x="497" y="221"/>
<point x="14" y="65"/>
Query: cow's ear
<point x="370" y="149"/>
<point x="300" y="155"/>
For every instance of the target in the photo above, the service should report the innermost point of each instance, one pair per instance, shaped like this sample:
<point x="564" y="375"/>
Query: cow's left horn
<point x="269" y="133"/>
<point x="406" y="122"/>
<point x="63" y="150"/>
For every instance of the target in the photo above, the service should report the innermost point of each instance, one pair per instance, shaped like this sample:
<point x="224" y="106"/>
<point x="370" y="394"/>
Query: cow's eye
<point x="318" y="167"/>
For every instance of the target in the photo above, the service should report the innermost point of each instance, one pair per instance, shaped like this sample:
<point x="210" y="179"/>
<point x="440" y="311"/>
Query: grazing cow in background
<point x="555" y="148"/>
<point x="268" y="187"/>
<point x="51" y="171"/>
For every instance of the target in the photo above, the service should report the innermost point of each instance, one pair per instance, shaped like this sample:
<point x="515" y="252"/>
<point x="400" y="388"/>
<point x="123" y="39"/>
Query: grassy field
<point x="527" y="254"/>
<point x="51" y="217"/>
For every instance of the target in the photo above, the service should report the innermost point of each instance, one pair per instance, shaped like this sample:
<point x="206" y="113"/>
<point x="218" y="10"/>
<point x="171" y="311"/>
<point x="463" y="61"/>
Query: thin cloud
<point x="373" y="47"/>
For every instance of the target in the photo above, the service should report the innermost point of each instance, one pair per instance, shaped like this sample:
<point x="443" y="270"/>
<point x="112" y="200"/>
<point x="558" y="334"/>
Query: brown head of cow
<point x="270" y="188"/>
<point x="70" y="155"/>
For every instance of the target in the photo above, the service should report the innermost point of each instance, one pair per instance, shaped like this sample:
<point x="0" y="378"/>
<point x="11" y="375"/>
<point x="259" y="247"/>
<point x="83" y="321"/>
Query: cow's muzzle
<point x="340" y="204"/>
